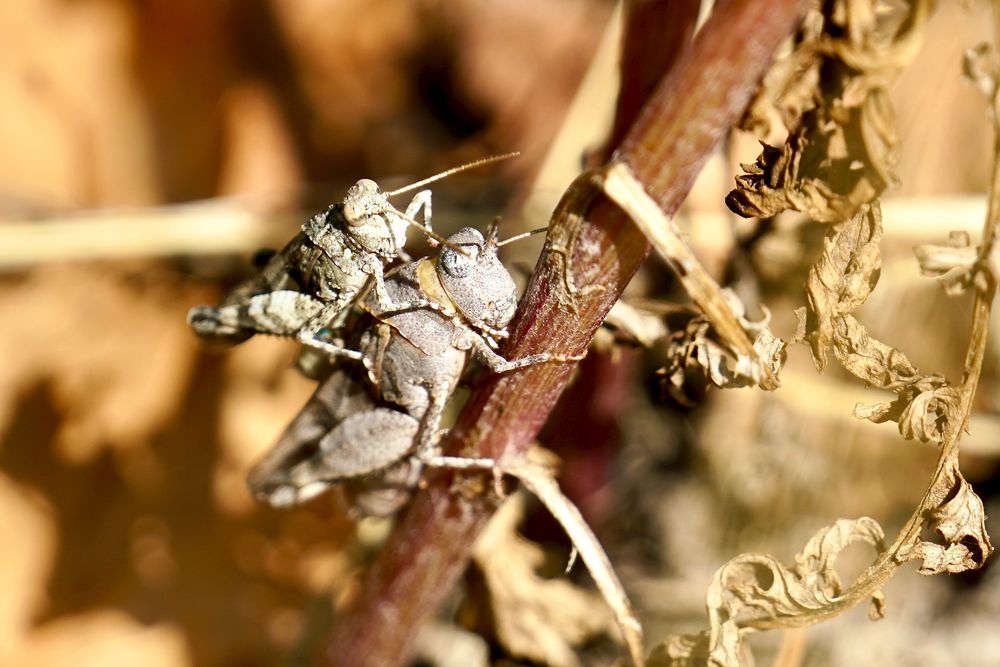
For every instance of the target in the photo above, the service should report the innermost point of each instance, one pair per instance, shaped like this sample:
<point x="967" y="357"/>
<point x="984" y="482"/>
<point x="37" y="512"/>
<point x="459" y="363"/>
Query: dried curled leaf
<point x="842" y="278"/>
<point x="952" y="263"/>
<point x="755" y="591"/>
<point x="959" y="519"/>
<point x="695" y="357"/>
<point x="839" y="283"/>
<point x="536" y="619"/>
<point x="815" y="173"/>
<point x="925" y="403"/>
<point x="841" y="147"/>
<point x="791" y="85"/>
<point x="871" y="360"/>
<point x="923" y="409"/>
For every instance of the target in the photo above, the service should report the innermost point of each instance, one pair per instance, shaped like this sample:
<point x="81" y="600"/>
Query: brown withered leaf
<point x="814" y="172"/>
<point x="922" y="409"/>
<point x="839" y="283"/>
<point x="755" y="591"/>
<point x="791" y="85"/>
<point x="841" y="148"/>
<point x="959" y="519"/>
<point x="696" y="357"/>
<point x="842" y="278"/>
<point x="927" y="414"/>
<point x="869" y="359"/>
<point x="536" y="619"/>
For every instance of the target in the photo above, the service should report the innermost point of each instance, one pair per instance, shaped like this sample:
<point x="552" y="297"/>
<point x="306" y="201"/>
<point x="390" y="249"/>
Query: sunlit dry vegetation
<point x="771" y="240"/>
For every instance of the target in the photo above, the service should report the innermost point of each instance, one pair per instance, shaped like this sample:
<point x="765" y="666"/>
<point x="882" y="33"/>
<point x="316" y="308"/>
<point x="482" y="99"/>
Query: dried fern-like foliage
<point x="830" y="93"/>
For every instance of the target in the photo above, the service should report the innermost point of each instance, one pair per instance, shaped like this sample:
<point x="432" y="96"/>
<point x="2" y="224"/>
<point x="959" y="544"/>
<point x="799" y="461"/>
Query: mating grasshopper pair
<point x="414" y="360"/>
<point x="373" y="426"/>
<point x="377" y="428"/>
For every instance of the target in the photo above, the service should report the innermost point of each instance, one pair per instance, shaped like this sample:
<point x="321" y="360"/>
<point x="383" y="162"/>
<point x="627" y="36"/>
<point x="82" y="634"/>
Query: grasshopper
<point x="308" y="286"/>
<point x="413" y="361"/>
<point x="374" y="432"/>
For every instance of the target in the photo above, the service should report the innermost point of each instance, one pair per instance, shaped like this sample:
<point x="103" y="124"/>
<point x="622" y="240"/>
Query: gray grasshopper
<point x="380" y="437"/>
<point x="309" y="285"/>
<point x="373" y="431"/>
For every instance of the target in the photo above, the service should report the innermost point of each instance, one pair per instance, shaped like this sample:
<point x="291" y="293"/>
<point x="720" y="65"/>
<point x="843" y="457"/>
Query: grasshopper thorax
<point x="478" y="284"/>
<point x="370" y="221"/>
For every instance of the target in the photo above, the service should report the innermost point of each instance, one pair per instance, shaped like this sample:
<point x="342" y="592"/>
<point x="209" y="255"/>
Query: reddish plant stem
<point x="702" y="97"/>
<point x="583" y="427"/>
<point x="655" y="33"/>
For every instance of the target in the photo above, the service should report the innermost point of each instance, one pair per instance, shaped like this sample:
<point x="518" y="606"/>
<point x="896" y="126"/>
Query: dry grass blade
<point x="215" y="226"/>
<point x="541" y="483"/>
<point x="534" y="617"/>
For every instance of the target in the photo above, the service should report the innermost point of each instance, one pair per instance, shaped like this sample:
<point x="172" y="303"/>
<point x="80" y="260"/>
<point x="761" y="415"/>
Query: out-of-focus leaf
<point x="757" y="588"/>
<point x="639" y="325"/>
<point x="536" y="619"/>
<point x="693" y="651"/>
<point x="981" y="66"/>
<point x="953" y="263"/>
<point x="445" y="645"/>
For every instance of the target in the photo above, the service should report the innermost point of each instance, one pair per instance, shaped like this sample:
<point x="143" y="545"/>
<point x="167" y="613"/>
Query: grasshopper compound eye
<point x="457" y="265"/>
<point x="362" y="200"/>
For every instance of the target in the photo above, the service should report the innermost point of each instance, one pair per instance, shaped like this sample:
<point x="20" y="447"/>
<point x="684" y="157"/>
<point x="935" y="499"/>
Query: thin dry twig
<point x="541" y="483"/>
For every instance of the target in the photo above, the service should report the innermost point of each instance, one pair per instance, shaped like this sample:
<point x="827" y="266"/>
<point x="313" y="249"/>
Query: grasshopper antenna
<point x="432" y="234"/>
<point x="523" y="236"/>
<point x="493" y="232"/>
<point x="453" y="170"/>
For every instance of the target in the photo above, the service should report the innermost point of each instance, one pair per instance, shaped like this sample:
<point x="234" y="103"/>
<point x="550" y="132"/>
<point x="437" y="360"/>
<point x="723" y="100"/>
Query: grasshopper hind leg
<point x="279" y="313"/>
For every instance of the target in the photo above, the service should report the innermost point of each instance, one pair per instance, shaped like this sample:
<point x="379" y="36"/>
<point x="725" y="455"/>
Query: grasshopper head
<point x="479" y="285"/>
<point x="369" y="222"/>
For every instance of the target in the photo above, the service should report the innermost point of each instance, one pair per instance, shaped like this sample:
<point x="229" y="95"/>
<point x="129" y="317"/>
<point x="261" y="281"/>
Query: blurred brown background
<point x="126" y="533"/>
